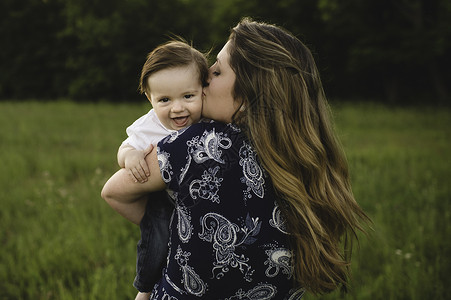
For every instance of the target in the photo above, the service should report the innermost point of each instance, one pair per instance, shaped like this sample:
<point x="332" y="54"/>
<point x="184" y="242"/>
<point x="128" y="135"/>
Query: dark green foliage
<point x="91" y="50"/>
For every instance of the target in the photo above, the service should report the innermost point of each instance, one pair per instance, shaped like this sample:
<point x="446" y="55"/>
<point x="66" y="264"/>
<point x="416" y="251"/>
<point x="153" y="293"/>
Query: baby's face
<point x="176" y="96"/>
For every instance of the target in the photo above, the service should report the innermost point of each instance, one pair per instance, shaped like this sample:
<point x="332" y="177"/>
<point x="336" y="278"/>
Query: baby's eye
<point x="216" y="73"/>
<point x="189" y="96"/>
<point x="164" y="100"/>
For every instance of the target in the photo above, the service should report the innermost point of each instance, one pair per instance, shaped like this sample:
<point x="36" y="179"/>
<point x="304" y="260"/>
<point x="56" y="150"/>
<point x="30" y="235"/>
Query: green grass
<point x="59" y="240"/>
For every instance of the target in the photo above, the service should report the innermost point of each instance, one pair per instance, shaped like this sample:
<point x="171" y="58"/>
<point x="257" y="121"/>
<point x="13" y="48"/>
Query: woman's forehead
<point x="224" y="53"/>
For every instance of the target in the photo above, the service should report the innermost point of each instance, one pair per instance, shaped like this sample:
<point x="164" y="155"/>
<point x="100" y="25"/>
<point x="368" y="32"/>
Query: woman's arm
<point x="126" y="196"/>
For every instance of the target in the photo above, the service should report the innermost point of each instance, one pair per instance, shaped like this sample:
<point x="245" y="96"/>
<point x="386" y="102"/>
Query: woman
<point x="263" y="199"/>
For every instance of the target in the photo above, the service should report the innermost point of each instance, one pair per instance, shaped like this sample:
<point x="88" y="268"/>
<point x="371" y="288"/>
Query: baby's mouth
<point x="180" y="121"/>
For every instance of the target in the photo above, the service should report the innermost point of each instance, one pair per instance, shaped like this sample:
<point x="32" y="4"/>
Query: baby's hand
<point x="136" y="165"/>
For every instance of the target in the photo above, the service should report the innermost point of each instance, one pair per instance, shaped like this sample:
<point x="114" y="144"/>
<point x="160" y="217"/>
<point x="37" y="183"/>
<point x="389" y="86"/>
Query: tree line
<point x="389" y="50"/>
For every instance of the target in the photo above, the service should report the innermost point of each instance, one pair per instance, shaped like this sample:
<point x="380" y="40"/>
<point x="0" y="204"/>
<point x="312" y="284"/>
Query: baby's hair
<point x="173" y="54"/>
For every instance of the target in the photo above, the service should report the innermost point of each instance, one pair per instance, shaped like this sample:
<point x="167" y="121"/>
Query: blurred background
<point x="69" y="73"/>
<point x="396" y="51"/>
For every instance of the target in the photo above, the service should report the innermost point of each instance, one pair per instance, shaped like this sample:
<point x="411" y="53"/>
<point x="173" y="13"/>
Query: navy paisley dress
<point x="227" y="237"/>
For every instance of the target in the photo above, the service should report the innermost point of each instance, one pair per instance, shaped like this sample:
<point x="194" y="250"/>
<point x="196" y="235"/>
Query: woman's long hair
<point x="286" y="116"/>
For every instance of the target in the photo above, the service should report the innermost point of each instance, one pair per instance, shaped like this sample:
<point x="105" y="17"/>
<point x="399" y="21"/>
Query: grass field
<point x="59" y="240"/>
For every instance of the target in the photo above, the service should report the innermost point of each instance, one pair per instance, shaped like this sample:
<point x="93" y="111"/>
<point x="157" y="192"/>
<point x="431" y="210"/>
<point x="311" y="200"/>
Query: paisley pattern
<point x="296" y="293"/>
<point x="173" y="285"/>
<point x="167" y="297"/>
<point x="164" y="296"/>
<point x="208" y="146"/>
<point x="227" y="235"/>
<point x="278" y="260"/>
<point x="253" y="174"/>
<point x="192" y="283"/>
<point x="260" y="292"/>
<point x="184" y="227"/>
<point x="277" y="220"/>
<point x="165" y="166"/>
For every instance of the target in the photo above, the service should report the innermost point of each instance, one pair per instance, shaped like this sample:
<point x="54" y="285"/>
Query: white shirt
<point x="145" y="131"/>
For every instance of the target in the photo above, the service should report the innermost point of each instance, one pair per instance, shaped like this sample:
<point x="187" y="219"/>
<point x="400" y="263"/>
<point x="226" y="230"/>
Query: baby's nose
<point x="177" y="106"/>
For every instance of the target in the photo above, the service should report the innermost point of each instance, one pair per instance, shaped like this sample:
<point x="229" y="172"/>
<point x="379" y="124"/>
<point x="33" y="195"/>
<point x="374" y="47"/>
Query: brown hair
<point x="286" y="116"/>
<point x="173" y="54"/>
